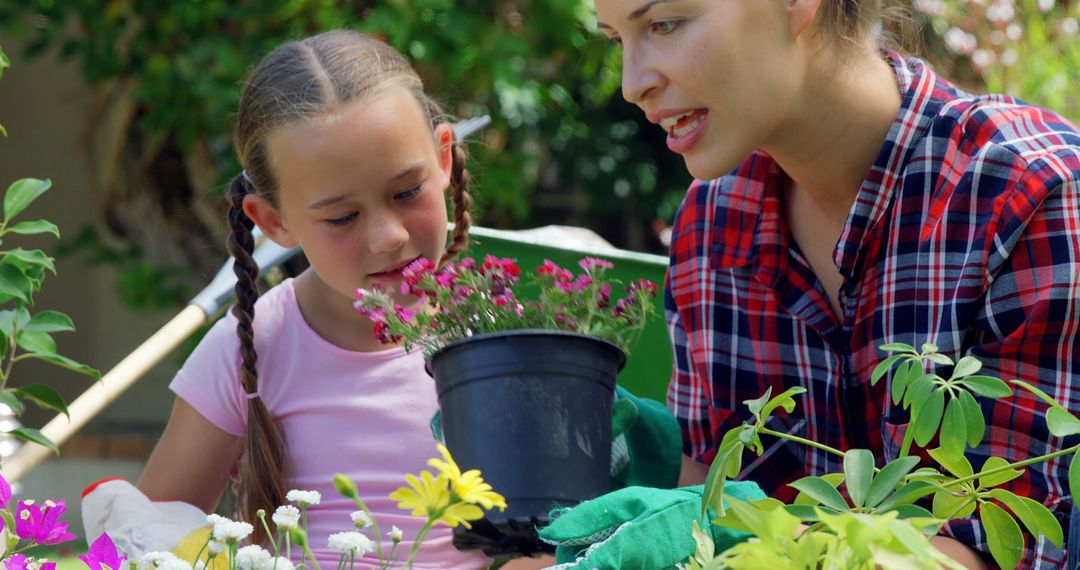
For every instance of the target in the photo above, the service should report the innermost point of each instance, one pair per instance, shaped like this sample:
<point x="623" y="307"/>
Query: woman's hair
<point x="855" y="21"/>
<point x="297" y="81"/>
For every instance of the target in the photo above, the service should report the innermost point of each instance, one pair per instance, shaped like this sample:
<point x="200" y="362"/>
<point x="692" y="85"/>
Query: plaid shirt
<point x="966" y="234"/>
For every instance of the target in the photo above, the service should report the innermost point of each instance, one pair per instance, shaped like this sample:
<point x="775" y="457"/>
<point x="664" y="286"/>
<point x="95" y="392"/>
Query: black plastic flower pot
<point x="531" y="409"/>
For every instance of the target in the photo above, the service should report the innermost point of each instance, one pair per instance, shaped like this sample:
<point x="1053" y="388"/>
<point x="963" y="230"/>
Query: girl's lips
<point x="393" y="273"/>
<point x="683" y="143"/>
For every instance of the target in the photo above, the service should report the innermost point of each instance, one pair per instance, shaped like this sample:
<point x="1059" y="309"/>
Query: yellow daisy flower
<point x="470" y="486"/>
<point x="424" y="495"/>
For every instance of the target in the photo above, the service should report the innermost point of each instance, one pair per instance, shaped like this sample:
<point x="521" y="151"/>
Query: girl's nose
<point x="387" y="234"/>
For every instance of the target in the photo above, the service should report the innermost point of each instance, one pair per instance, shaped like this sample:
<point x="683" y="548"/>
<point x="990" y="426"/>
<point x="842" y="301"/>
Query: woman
<point x="848" y="197"/>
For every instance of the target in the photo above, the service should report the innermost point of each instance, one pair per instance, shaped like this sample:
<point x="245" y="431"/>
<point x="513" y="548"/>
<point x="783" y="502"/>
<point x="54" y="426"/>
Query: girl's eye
<point x="343" y="220"/>
<point x="665" y="26"/>
<point x="615" y="40"/>
<point x="408" y="194"/>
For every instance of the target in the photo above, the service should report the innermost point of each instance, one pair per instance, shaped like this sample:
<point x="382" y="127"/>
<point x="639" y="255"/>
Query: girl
<point x="848" y="198"/>
<point x="345" y="156"/>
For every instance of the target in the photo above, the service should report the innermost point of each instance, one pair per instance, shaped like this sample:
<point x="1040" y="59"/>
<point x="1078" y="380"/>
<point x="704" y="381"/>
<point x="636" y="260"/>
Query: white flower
<point x="1008" y="57"/>
<point x="395" y="534"/>
<point x="1000" y="12"/>
<point x="930" y="7"/>
<point x="360" y="519"/>
<point x="1045" y="5"/>
<point x="286" y="517"/>
<point x="304" y="497"/>
<point x="215" y="547"/>
<point x="960" y="41"/>
<point x="1069" y="26"/>
<point x="155" y="559"/>
<point x="252" y="557"/>
<point x="1014" y="31"/>
<point x="176" y="564"/>
<point x="351" y="543"/>
<point x="227" y="530"/>
<point x="982" y="58"/>
<point x="278" y="563"/>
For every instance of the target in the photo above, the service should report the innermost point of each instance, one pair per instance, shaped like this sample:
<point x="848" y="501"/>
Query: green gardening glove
<point x="638" y="528"/>
<point x="646" y="443"/>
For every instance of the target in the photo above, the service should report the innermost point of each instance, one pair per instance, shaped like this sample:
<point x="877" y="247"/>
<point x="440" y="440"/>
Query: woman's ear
<point x="801" y="15"/>
<point x="269" y="220"/>
<point x="444" y="148"/>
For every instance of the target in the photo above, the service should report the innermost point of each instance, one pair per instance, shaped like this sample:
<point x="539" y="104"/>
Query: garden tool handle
<point x="104" y="391"/>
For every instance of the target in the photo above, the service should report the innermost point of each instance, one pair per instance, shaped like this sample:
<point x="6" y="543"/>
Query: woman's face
<point x="717" y="75"/>
<point x="362" y="189"/>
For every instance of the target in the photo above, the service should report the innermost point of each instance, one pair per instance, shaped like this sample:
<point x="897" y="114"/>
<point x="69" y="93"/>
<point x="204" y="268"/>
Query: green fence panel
<point x="648" y="369"/>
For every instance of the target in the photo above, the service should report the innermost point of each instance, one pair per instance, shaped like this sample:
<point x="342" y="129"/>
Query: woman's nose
<point x="639" y="77"/>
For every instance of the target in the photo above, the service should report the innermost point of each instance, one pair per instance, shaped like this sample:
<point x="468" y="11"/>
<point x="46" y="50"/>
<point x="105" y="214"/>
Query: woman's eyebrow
<point x="636" y="14"/>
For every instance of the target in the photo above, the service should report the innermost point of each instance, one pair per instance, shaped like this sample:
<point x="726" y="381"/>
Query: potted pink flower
<point x="525" y="376"/>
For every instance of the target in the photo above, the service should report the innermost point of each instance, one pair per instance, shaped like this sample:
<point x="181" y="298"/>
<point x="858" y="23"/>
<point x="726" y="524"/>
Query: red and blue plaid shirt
<point x="965" y="234"/>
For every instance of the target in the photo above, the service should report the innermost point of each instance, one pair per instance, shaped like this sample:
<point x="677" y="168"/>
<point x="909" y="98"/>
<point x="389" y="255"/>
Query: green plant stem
<point x="12" y="345"/>
<point x="309" y="554"/>
<point x="909" y="437"/>
<point x="374" y="526"/>
<point x="201" y="550"/>
<point x="803" y="441"/>
<point x="386" y="563"/>
<point x="1016" y="465"/>
<point x="270" y="536"/>
<point x="420" y="536"/>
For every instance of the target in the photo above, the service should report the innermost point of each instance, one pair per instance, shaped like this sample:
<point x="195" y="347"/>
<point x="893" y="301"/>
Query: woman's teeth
<point x="681" y="125"/>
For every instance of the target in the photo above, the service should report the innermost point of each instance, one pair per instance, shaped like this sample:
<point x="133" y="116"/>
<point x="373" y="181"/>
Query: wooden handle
<point x="102" y="393"/>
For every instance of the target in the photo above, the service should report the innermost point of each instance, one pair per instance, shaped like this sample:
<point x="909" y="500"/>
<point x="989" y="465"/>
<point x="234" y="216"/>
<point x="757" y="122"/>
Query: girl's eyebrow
<point x="636" y="13"/>
<point x="408" y="172"/>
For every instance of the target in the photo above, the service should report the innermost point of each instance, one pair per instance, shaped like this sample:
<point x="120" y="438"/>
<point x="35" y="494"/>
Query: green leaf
<point x="821" y="491"/>
<point x="834" y="479"/>
<point x="45" y="397"/>
<point x="66" y="362"/>
<point x="902" y="379"/>
<point x="1074" y="475"/>
<point x="987" y="386"/>
<point x="49" y="322"/>
<point x="21" y="194"/>
<point x="1034" y="523"/>
<point x="928" y="417"/>
<point x="888" y="478"/>
<point x="35" y="227"/>
<point x="957" y="465"/>
<point x="946" y="503"/>
<point x="36" y="342"/>
<point x="757" y="404"/>
<point x="858" y="474"/>
<point x="953" y="428"/>
<point x="8" y="320"/>
<point x="1045" y="520"/>
<point x="1061" y="422"/>
<point x="975" y="427"/>
<point x="929" y="347"/>
<point x="805" y="513"/>
<point x="33" y="435"/>
<point x="898" y="347"/>
<point x="730" y="451"/>
<point x="908" y="493"/>
<point x="883" y="367"/>
<point x="15" y="283"/>
<point x="919" y="387"/>
<point x="997" y="478"/>
<point x="912" y="512"/>
<point x="32" y="257"/>
<point x="1002" y="534"/>
<point x="967" y="366"/>
<point x="7" y="397"/>
<point x="784" y="400"/>
<point x="938" y="358"/>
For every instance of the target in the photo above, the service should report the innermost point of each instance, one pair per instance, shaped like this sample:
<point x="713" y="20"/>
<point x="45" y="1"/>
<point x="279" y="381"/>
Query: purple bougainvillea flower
<point x="42" y="524"/>
<point x="102" y="555"/>
<point x="21" y="562"/>
<point x="5" y="494"/>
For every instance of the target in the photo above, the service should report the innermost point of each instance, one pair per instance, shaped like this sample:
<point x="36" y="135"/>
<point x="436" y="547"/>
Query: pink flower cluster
<point x="462" y="299"/>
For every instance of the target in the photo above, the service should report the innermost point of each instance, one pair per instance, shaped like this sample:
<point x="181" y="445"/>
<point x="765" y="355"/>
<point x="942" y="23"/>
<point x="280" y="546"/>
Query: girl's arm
<point x="192" y="460"/>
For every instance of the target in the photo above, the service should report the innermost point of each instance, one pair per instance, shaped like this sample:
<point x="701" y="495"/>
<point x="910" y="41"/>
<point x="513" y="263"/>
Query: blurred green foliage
<point x="564" y="147"/>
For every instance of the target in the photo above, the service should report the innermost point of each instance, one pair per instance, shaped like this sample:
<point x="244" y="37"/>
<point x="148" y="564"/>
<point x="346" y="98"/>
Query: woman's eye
<point x="343" y="220"/>
<point x="615" y="40"/>
<point x="665" y="26"/>
<point x="408" y="194"/>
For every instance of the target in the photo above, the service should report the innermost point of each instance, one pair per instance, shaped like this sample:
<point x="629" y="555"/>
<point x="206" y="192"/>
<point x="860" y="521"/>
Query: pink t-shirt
<point x="365" y="414"/>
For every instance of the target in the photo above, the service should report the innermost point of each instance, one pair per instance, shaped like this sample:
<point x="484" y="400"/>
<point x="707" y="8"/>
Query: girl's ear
<point x="444" y="148"/>
<point x="269" y="220"/>
<point x="801" y="15"/>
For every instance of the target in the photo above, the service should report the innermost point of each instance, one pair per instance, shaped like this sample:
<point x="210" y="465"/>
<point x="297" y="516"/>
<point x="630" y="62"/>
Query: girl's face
<point x="717" y="75"/>
<point x="361" y="189"/>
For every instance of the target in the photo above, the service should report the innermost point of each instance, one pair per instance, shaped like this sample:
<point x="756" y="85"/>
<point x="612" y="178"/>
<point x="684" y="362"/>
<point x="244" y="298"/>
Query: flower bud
<point x="345" y="485"/>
